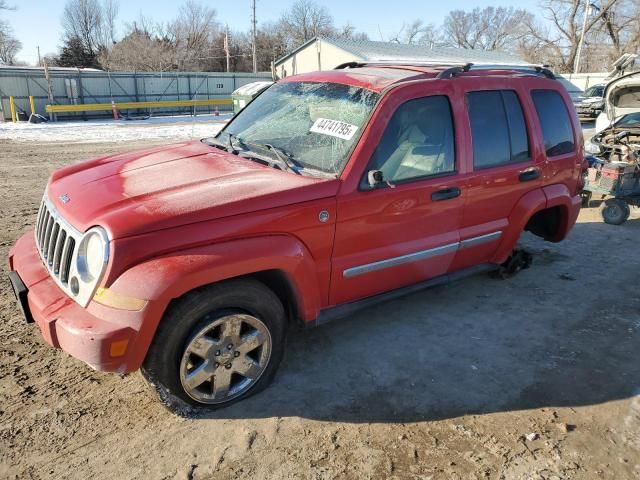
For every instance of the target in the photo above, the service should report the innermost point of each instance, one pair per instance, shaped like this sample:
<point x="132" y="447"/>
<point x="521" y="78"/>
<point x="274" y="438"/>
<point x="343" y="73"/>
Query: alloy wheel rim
<point x="225" y="359"/>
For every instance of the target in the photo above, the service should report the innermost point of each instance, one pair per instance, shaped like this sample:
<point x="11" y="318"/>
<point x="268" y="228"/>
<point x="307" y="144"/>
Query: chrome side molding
<point x="421" y="255"/>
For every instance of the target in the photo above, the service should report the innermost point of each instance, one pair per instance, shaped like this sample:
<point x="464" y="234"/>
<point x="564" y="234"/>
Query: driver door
<point x="407" y="230"/>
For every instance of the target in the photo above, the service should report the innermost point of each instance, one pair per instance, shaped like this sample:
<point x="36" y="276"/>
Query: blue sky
<point x="37" y="22"/>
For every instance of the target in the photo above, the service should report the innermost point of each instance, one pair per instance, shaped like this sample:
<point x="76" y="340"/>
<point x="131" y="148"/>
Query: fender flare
<point x="529" y="204"/>
<point x="170" y="276"/>
<point x="162" y="279"/>
<point x="558" y="195"/>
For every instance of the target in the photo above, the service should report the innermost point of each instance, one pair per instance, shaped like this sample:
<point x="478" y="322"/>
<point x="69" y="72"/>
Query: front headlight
<point x="592" y="148"/>
<point x="597" y="105"/>
<point x="90" y="264"/>
<point x="93" y="255"/>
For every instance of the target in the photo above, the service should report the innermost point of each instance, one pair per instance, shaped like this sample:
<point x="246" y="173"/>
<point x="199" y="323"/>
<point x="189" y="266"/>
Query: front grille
<point x="56" y="241"/>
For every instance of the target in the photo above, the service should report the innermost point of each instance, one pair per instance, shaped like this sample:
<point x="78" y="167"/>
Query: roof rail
<point x="342" y="66"/>
<point x="453" y="67"/>
<point x="523" y="68"/>
<point x="398" y="62"/>
<point x="453" y="71"/>
<point x="546" y="72"/>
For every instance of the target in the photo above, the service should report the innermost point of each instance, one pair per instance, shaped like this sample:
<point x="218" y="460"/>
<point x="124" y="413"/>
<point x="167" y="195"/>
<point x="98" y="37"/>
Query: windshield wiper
<point x="286" y="158"/>
<point x="214" y="142"/>
<point x="228" y="146"/>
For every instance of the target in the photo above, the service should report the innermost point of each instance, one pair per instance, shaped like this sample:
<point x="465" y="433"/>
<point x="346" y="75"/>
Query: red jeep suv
<point x="329" y="191"/>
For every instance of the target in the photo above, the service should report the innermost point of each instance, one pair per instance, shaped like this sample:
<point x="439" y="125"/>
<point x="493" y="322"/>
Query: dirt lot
<point x="442" y="384"/>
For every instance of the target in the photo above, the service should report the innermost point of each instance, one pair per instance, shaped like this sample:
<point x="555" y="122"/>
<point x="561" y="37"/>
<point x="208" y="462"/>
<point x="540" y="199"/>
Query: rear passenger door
<point x="560" y="142"/>
<point x="504" y="169"/>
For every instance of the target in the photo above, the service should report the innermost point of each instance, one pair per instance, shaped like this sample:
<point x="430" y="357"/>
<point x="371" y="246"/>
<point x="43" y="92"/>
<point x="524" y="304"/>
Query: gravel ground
<point x="537" y="377"/>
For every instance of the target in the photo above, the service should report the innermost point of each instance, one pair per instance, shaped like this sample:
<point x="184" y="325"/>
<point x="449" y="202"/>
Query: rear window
<point x="555" y="122"/>
<point x="498" y="128"/>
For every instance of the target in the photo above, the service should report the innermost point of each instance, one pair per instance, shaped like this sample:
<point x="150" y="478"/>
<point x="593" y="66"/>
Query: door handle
<point x="445" y="194"/>
<point x="529" y="174"/>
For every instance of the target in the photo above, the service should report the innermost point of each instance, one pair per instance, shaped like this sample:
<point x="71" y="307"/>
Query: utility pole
<point x="587" y="12"/>
<point x="39" y="59"/>
<point x="226" y="46"/>
<point x="254" y="35"/>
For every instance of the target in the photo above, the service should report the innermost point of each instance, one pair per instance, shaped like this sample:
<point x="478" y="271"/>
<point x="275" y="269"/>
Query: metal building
<point x="84" y="86"/>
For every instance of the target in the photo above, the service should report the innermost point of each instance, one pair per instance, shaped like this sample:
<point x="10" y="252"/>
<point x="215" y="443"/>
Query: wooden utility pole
<point x="254" y="23"/>
<point x="226" y="46"/>
<point x="49" y="88"/>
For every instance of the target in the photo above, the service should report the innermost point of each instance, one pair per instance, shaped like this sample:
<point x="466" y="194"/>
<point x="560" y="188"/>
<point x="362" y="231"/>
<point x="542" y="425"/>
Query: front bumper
<point x="103" y="337"/>
<point x="587" y="111"/>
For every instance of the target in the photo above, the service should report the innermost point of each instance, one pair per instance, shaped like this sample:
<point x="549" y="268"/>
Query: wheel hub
<point x="225" y="358"/>
<point x="225" y="355"/>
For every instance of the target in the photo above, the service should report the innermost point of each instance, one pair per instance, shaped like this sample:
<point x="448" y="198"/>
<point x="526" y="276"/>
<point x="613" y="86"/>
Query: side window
<point x="418" y="141"/>
<point x="555" y="122"/>
<point x="498" y="129"/>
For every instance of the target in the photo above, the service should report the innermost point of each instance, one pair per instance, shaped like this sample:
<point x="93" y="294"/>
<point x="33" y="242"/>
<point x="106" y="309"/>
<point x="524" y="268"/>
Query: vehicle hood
<point x="140" y="192"/>
<point x="622" y="96"/>
<point x="587" y="100"/>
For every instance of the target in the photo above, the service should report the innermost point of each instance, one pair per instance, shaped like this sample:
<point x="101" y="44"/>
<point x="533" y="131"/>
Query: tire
<point x="615" y="211"/>
<point x="191" y="345"/>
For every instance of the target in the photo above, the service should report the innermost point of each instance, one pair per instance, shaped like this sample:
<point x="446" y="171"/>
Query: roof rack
<point x="454" y="67"/>
<point x="453" y="71"/>
<point x="405" y="63"/>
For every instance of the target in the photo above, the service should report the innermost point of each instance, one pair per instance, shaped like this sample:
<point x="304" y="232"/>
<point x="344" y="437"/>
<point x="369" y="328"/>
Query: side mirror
<point x="375" y="177"/>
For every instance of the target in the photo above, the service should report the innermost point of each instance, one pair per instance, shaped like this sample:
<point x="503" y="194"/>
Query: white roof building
<point x="322" y="53"/>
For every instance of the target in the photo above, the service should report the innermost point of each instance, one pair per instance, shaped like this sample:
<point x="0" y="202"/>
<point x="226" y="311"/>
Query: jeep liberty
<point x="330" y="191"/>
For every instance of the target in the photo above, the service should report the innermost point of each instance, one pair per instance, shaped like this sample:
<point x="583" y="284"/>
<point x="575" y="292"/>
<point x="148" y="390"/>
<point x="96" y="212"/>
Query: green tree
<point x="75" y="54"/>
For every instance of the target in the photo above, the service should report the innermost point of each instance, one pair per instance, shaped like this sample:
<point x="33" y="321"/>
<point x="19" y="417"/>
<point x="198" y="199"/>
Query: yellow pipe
<point x="92" y="107"/>
<point x="32" y="103"/>
<point x="12" y="104"/>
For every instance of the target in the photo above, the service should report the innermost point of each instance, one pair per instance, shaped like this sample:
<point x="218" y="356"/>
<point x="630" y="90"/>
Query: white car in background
<point x="590" y="103"/>
<point x="621" y="102"/>
<point x="617" y="132"/>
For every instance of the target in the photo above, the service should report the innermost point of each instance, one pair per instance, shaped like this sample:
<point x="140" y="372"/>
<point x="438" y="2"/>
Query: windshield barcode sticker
<point x="346" y="131"/>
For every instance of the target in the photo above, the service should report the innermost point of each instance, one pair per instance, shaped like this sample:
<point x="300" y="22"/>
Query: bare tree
<point x="9" y="45"/>
<point x="110" y="9"/>
<point x="489" y="28"/>
<point x="565" y="19"/>
<point x="349" y="31"/>
<point x="621" y="25"/>
<point x="193" y="33"/>
<point x="305" y="20"/>
<point x="271" y="44"/>
<point x="138" y="51"/>
<point x="82" y="19"/>
<point x="418" y="33"/>
<point x="409" y="33"/>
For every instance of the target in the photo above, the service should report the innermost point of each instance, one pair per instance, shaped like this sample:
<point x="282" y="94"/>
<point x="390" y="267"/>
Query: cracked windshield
<point x="314" y="124"/>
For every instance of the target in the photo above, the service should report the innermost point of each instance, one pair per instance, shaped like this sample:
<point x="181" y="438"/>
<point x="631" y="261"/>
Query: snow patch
<point x="99" y="131"/>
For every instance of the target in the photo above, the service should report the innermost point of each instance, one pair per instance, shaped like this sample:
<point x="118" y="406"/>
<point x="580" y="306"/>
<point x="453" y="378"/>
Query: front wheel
<point x="216" y="346"/>
<point x="615" y="211"/>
